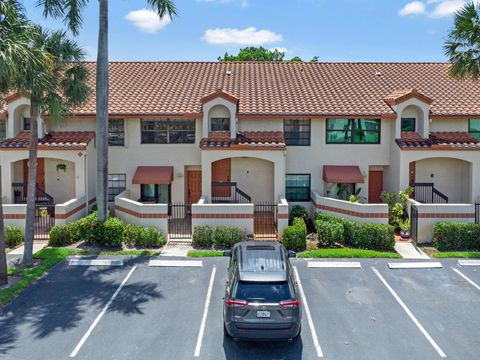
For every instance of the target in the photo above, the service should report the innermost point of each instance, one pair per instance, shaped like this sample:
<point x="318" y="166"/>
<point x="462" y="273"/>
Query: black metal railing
<point x="477" y="213"/>
<point x="265" y="221"/>
<point x="228" y="192"/>
<point x="427" y="193"/>
<point x="20" y="194"/>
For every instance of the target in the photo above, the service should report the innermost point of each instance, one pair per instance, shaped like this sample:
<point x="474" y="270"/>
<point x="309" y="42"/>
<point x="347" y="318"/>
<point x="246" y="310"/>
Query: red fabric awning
<point x="153" y="175"/>
<point x="342" y="174"/>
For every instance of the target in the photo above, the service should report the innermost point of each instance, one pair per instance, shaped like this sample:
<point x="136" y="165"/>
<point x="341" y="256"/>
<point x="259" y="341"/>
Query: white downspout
<point x="86" y="184"/>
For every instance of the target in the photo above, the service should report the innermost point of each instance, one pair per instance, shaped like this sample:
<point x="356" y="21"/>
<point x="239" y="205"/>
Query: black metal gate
<point x="44" y="220"/>
<point x="179" y="221"/>
<point x="265" y="221"/>
<point x="414" y="223"/>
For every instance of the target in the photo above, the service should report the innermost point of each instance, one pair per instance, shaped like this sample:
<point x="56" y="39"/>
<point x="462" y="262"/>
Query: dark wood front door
<point x="194" y="179"/>
<point x="411" y="172"/>
<point x="40" y="172"/>
<point x="375" y="186"/>
<point x="221" y="172"/>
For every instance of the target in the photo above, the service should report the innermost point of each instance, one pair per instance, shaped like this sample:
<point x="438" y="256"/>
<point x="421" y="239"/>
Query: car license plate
<point x="263" y="314"/>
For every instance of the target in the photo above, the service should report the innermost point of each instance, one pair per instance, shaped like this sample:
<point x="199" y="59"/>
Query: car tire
<point x="299" y="332"/>
<point x="225" y="331"/>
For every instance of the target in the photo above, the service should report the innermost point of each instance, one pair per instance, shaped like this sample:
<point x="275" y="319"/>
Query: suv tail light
<point x="290" y="304"/>
<point x="235" y="303"/>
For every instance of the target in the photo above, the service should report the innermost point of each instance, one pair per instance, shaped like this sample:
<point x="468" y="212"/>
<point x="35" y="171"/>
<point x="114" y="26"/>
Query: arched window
<point x="219" y="118"/>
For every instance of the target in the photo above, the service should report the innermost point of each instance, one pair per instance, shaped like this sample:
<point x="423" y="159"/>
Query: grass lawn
<point x="347" y="253"/>
<point x="457" y="254"/>
<point x="48" y="257"/>
<point x="204" y="253"/>
<point x="121" y="252"/>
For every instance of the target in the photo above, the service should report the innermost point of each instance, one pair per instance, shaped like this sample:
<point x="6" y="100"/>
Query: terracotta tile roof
<point x="282" y="89"/>
<point x="245" y="139"/>
<point x="439" y="140"/>
<point x="398" y="96"/>
<point x="53" y="140"/>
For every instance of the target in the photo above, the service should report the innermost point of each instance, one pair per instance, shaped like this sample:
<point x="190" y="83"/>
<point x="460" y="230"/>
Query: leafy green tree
<point x="463" y="44"/>
<point x="71" y="12"/>
<point x="17" y="57"/>
<point x="54" y="86"/>
<point x="253" y="53"/>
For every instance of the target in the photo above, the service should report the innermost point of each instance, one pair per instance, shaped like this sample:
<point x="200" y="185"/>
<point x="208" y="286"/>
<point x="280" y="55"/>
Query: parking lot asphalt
<point x="140" y="312"/>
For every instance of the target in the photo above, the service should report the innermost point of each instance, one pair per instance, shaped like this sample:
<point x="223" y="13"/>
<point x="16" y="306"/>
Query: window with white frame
<point x="117" y="183"/>
<point x="3" y="130"/>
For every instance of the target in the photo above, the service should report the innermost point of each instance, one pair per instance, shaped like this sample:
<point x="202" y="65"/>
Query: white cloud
<point x="433" y="8"/>
<point x="247" y="36"/>
<point x="413" y="8"/>
<point x="447" y="8"/>
<point x="245" y="3"/>
<point x="281" y="49"/>
<point x="147" y="20"/>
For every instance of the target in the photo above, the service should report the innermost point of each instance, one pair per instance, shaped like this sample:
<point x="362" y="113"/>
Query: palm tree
<point x="16" y="56"/>
<point x="55" y="86"/>
<point x="463" y="44"/>
<point x="71" y="11"/>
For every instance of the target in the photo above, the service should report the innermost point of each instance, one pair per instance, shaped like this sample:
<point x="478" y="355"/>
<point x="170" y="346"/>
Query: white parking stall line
<point x="415" y="265"/>
<point x="175" y="263"/>
<point x="316" y="343"/>
<point x="470" y="281"/>
<point x="410" y="314"/>
<point x="99" y="317"/>
<point x="335" y="264"/>
<point x="198" y="347"/>
<point x="468" y="262"/>
<point x="95" y="262"/>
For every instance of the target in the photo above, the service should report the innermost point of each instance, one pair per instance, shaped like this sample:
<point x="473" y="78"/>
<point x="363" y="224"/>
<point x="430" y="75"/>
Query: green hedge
<point x="220" y="237"/>
<point x="110" y="234"/>
<point x="13" y="236"/>
<point x="448" y="236"/>
<point x="297" y="211"/>
<point x="63" y="235"/>
<point x="142" y="237"/>
<point x="329" y="233"/>
<point x="356" y="234"/>
<point x="295" y="236"/>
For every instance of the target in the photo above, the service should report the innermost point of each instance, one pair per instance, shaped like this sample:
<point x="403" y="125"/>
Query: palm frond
<point x="163" y="7"/>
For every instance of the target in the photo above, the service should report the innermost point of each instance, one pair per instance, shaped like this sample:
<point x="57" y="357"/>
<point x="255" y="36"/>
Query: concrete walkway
<point x="408" y="250"/>
<point x="37" y="245"/>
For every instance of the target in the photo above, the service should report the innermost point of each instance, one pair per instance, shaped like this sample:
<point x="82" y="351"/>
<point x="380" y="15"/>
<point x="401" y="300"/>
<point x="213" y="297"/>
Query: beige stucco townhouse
<point x="241" y="141"/>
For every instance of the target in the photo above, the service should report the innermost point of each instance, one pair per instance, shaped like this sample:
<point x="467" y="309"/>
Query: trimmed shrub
<point x="13" y="236"/>
<point x="449" y="236"/>
<point x="140" y="237"/>
<point x="202" y="236"/>
<point x="63" y="235"/>
<point x="373" y="236"/>
<point x="297" y="211"/>
<point x="329" y="232"/>
<point x="295" y="236"/>
<point x="224" y="237"/>
<point x="110" y="233"/>
<point x="87" y="228"/>
<point x="325" y="217"/>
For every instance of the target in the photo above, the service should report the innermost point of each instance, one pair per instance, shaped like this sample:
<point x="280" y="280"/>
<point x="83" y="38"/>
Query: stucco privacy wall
<point x="372" y="213"/>
<point x="282" y="215"/>
<point x="254" y="177"/>
<point x="14" y="215"/>
<point x="126" y="159"/>
<point x="240" y="215"/>
<point x="133" y="212"/>
<point x="69" y="211"/>
<point x="430" y="214"/>
<point x="311" y="159"/>
<point x="449" y="125"/>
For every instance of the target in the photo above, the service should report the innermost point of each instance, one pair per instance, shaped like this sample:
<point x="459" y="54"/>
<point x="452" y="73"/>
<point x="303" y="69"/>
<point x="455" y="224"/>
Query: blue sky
<point x="334" y="30"/>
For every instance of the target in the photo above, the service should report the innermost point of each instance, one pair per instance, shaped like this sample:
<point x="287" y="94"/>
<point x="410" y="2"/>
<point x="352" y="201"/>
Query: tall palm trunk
<point x="3" y="256"/>
<point x="102" y="113"/>
<point x="32" y="183"/>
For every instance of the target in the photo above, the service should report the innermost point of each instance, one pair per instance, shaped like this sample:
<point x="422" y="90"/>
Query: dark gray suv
<point x="261" y="297"/>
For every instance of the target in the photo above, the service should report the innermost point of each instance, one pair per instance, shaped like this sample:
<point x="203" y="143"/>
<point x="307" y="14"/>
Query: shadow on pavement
<point x="262" y="350"/>
<point x="61" y="299"/>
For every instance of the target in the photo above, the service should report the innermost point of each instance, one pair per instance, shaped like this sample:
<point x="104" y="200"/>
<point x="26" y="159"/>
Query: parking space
<point x="140" y="311"/>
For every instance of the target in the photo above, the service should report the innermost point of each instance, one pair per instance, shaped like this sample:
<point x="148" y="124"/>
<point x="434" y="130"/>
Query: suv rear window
<point x="263" y="292"/>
